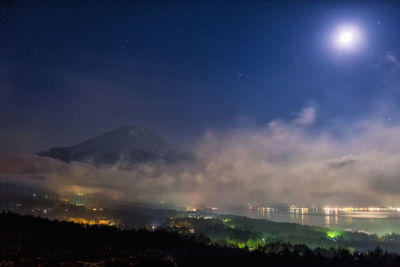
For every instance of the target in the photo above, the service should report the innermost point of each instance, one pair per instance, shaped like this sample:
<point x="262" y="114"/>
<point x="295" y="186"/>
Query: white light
<point x="347" y="38"/>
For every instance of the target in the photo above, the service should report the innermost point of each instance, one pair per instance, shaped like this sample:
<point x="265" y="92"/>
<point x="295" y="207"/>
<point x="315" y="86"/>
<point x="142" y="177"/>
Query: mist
<point x="282" y="163"/>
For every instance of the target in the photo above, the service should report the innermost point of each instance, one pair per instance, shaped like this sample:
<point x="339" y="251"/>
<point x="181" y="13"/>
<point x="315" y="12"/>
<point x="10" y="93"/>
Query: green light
<point x="255" y="244"/>
<point x="241" y="245"/>
<point x="251" y="244"/>
<point x="236" y="243"/>
<point x="333" y="234"/>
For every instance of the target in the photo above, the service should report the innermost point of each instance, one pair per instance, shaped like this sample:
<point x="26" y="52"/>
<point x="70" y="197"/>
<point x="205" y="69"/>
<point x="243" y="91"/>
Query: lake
<point x="377" y="222"/>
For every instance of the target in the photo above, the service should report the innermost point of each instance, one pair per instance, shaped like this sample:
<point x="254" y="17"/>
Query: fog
<point x="281" y="163"/>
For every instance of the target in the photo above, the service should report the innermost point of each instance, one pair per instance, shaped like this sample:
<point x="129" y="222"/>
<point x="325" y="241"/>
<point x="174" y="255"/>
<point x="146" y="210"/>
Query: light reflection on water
<point x="378" y="222"/>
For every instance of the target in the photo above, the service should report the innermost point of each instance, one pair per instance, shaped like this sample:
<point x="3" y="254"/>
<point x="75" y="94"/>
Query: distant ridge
<point x="130" y="143"/>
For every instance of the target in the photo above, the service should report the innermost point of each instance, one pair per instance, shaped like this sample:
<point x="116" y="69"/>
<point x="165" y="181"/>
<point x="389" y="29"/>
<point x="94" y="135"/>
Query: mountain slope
<point x="130" y="143"/>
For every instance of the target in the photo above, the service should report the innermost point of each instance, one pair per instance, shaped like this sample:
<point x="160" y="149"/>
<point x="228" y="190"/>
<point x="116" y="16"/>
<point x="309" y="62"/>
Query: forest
<point x="28" y="240"/>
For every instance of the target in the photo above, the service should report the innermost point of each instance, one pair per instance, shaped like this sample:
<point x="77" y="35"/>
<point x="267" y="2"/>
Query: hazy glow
<point x="278" y="164"/>
<point x="334" y="234"/>
<point x="347" y="38"/>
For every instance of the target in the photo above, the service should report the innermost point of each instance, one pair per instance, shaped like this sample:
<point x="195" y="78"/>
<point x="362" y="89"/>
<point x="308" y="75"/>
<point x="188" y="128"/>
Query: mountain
<point x="130" y="143"/>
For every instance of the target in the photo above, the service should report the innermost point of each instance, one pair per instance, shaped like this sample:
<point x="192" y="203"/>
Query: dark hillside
<point x="26" y="240"/>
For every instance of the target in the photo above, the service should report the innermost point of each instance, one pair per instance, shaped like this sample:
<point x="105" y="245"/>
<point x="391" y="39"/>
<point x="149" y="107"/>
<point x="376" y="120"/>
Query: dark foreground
<point x="30" y="241"/>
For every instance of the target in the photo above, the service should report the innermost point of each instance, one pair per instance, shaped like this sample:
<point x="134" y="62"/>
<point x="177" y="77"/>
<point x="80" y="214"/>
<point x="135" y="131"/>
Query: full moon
<point x="347" y="38"/>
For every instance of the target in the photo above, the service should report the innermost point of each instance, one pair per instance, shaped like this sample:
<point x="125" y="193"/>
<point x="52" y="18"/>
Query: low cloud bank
<point x="281" y="163"/>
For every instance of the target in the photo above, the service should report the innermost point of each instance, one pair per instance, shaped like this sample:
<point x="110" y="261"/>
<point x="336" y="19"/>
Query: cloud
<point x="391" y="59"/>
<point x="281" y="163"/>
<point x="342" y="162"/>
<point x="306" y="117"/>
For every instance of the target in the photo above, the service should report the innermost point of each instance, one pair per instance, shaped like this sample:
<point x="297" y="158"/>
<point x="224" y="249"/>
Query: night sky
<point x="71" y="70"/>
<point x="286" y="101"/>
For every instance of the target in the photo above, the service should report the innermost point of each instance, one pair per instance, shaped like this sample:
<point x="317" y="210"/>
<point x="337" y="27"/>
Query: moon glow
<point x="347" y="38"/>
